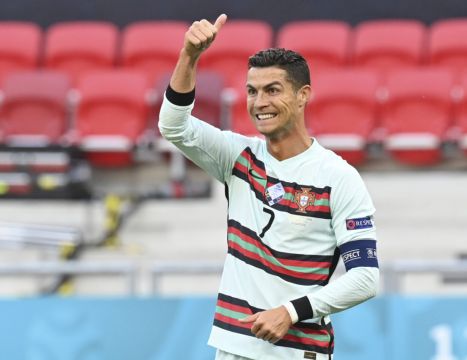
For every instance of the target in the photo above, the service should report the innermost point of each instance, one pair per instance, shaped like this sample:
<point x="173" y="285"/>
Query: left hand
<point x="270" y="325"/>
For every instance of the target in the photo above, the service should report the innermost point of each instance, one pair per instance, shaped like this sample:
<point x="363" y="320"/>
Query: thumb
<point x="221" y="20"/>
<point x="249" y="319"/>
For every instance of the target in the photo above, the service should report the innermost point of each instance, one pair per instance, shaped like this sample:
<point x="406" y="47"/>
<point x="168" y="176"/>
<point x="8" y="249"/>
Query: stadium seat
<point x="209" y="87"/>
<point x="461" y="116"/>
<point x="342" y="113"/>
<point x="111" y="116"/>
<point x="152" y="46"/>
<point x="447" y="44"/>
<point x="238" y="118"/>
<point x="385" y="45"/>
<point x="78" y="47"/>
<point x="34" y="111"/>
<point x="19" y="46"/>
<point x="238" y="40"/>
<point x="417" y="114"/>
<point x="324" y="44"/>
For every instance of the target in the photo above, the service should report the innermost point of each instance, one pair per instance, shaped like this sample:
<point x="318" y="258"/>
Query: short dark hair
<point x="292" y="62"/>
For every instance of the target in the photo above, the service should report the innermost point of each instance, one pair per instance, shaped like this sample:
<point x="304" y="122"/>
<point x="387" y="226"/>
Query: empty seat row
<point x="108" y="113"/>
<point x="412" y="112"/>
<point x="153" y="46"/>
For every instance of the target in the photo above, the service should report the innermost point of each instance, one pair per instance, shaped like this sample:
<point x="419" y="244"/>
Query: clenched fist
<point x="201" y="34"/>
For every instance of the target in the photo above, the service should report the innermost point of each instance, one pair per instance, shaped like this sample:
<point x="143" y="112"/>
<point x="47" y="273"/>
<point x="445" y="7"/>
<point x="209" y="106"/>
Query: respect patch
<point x="359" y="223"/>
<point x="359" y="253"/>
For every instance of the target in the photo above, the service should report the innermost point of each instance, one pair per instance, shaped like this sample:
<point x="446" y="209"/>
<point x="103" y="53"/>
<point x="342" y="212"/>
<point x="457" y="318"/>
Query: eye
<point x="251" y="91"/>
<point x="273" y="91"/>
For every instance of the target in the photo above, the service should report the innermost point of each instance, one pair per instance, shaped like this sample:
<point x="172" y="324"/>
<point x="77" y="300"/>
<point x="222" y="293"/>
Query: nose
<point x="261" y="100"/>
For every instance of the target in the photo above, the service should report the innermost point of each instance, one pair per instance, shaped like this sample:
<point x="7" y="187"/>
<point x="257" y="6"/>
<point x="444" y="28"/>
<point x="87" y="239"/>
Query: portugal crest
<point x="303" y="199"/>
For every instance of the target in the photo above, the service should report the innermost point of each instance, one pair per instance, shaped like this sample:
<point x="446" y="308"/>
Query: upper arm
<point x="353" y="222"/>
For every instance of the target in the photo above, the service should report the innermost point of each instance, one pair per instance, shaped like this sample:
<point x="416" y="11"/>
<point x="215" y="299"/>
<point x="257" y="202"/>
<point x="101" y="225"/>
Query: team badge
<point x="303" y="199"/>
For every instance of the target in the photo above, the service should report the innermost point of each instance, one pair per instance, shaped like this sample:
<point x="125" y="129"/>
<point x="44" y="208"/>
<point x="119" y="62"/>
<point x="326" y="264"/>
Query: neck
<point x="286" y="148"/>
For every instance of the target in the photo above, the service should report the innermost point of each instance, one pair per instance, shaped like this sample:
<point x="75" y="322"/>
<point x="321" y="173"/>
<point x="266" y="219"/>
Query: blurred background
<point x="111" y="244"/>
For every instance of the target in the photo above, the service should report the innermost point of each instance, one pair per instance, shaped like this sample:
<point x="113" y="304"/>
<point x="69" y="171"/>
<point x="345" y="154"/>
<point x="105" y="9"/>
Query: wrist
<point x="189" y="58"/>
<point x="292" y="312"/>
<point x="303" y="308"/>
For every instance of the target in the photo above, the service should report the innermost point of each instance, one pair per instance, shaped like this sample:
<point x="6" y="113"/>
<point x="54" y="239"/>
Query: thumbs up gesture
<point x="201" y="34"/>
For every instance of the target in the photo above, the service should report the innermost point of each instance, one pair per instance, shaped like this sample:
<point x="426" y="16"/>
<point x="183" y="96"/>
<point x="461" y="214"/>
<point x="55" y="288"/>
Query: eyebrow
<point x="265" y="86"/>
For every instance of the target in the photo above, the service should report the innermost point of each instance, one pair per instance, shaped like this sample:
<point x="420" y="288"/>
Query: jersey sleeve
<point x="210" y="148"/>
<point x="352" y="209"/>
<point x="352" y="221"/>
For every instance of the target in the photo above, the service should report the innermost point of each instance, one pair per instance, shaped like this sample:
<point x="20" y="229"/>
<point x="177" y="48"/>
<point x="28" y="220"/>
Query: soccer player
<point x="294" y="208"/>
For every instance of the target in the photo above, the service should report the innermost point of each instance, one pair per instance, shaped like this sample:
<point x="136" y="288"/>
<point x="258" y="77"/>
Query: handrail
<point x="125" y="268"/>
<point x="392" y="273"/>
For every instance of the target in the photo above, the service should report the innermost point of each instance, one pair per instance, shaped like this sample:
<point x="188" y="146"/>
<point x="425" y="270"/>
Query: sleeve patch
<point x="359" y="223"/>
<point x="359" y="253"/>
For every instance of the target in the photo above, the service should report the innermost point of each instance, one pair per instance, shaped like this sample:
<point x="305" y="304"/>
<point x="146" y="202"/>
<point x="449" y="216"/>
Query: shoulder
<point x="335" y="168"/>
<point x="253" y="142"/>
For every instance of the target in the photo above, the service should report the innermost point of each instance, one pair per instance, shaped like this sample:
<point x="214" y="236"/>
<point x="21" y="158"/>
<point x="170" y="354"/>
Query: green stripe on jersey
<point x="273" y="260"/>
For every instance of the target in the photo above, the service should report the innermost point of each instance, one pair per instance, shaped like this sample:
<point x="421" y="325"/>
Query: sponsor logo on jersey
<point x="303" y="199"/>
<point x="359" y="223"/>
<point x="309" y="355"/>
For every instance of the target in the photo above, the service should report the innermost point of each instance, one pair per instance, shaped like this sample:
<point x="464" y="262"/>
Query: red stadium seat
<point x="111" y="115"/>
<point x="239" y="120"/>
<point x="324" y="44"/>
<point x="238" y="40"/>
<point x="461" y="116"/>
<point x="19" y="46"/>
<point x="342" y="114"/>
<point x="152" y="46"/>
<point x="386" y="45"/>
<point x="78" y="47"/>
<point x="448" y="44"/>
<point x="417" y="114"/>
<point x="209" y="87"/>
<point x="34" y="110"/>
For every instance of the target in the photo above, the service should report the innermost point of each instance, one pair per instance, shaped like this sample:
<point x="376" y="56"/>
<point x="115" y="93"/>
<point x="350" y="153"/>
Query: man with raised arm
<point x="294" y="208"/>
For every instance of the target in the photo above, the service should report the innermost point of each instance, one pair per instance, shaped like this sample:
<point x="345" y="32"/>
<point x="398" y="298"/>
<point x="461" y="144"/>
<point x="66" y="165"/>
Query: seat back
<point x="324" y="44"/>
<point x="152" y="47"/>
<point x="342" y="114"/>
<point x="112" y="103"/>
<point x="344" y="102"/>
<point x="235" y="43"/>
<point x="35" y="107"/>
<point x="386" y="45"/>
<point x="208" y="102"/>
<point x="448" y="45"/>
<point x="82" y="46"/>
<point x="419" y="100"/>
<point x="20" y="44"/>
<point x="417" y="114"/>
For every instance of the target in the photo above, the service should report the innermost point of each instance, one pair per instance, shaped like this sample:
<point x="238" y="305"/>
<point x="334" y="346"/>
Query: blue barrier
<point x="385" y="328"/>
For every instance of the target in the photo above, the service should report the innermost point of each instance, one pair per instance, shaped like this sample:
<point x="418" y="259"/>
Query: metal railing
<point x="128" y="270"/>
<point x="38" y="235"/>
<point x="392" y="273"/>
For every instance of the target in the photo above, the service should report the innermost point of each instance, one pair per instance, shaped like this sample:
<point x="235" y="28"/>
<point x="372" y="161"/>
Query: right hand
<point x="201" y="34"/>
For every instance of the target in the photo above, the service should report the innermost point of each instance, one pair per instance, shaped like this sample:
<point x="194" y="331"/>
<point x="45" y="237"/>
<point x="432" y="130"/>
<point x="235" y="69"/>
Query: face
<point x="276" y="108"/>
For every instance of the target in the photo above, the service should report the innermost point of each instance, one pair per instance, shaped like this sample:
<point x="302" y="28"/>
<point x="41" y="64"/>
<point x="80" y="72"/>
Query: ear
<point x="304" y="95"/>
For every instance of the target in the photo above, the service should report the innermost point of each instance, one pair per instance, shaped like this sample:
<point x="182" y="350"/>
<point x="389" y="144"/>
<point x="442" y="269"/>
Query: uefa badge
<point x="303" y="199"/>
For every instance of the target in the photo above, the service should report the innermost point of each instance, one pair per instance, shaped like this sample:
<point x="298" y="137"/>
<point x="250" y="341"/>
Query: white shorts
<point x="222" y="355"/>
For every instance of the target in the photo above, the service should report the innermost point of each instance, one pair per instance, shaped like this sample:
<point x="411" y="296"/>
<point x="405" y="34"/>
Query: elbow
<point x="372" y="282"/>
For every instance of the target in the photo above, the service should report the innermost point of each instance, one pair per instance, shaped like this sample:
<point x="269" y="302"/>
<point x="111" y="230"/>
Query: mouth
<point x="266" y="116"/>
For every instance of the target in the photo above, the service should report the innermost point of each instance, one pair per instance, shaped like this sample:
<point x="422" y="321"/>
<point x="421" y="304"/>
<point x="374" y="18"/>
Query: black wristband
<point x="180" y="99"/>
<point x="303" y="308"/>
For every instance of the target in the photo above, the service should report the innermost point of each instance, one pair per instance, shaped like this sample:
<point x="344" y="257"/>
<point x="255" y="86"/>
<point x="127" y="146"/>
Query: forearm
<point x="352" y="288"/>
<point x="184" y="76"/>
